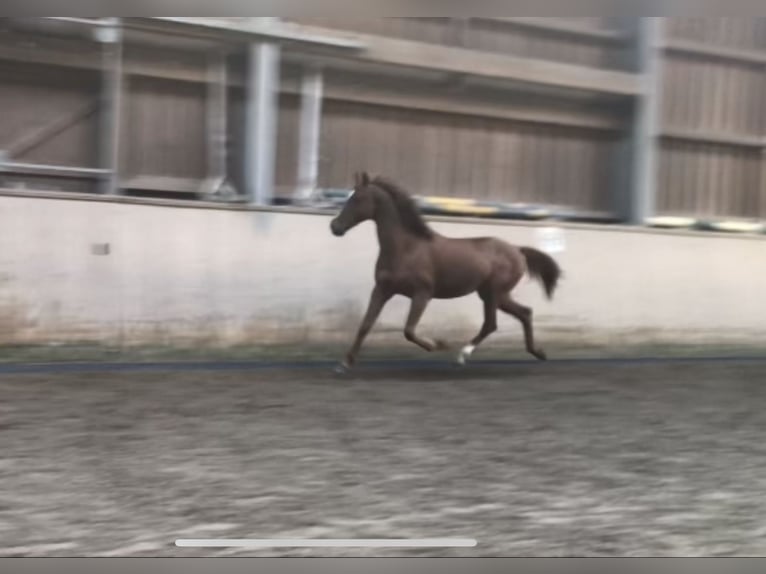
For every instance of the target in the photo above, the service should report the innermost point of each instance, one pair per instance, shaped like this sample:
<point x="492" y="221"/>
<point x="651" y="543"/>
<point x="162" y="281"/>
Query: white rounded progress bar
<point x="326" y="543"/>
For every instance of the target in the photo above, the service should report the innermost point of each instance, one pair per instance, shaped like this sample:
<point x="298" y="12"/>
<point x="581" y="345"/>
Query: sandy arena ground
<point x="549" y="459"/>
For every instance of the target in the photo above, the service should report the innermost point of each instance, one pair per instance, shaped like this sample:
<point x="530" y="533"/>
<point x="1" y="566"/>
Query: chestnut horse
<point x="421" y="264"/>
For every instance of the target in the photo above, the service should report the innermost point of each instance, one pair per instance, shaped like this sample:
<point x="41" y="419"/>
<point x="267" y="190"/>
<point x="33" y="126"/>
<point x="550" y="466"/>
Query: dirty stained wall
<point x="126" y="274"/>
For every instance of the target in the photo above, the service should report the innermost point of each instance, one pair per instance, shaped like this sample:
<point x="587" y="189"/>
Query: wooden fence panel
<point x="50" y="117"/>
<point x="36" y="96"/>
<point x="713" y="118"/>
<point x="503" y="37"/>
<point x="712" y="96"/>
<point x="731" y="32"/>
<point x="165" y="129"/>
<point x="465" y="156"/>
<point x="441" y="139"/>
<point x="706" y="180"/>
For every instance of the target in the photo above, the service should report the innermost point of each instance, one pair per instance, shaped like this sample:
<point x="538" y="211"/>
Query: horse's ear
<point x="365" y="178"/>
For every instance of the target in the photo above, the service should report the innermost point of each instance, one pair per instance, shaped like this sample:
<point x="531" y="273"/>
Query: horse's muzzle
<point x="336" y="228"/>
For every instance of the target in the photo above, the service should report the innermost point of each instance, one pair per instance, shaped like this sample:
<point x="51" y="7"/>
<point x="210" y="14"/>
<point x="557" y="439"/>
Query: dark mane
<point x="407" y="208"/>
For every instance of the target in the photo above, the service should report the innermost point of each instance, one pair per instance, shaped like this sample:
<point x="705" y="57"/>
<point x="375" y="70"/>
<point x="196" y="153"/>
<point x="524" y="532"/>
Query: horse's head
<point x="359" y="207"/>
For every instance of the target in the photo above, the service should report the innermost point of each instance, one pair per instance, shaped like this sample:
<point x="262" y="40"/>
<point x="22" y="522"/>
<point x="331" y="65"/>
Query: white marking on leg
<point x="342" y="368"/>
<point x="465" y="352"/>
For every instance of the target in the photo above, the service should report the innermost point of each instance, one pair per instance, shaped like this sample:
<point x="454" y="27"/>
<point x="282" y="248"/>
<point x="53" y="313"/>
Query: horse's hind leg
<point x="524" y="315"/>
<point x="417" y="308"/>
<point x="488" y="327"/>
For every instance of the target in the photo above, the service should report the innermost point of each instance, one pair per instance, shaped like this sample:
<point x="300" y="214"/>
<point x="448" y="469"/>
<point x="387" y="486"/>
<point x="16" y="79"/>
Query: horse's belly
<point x="447" y="293"/>
<point x="452" y="285"/>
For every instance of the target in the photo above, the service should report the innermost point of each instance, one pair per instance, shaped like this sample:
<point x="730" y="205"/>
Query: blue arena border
<point x="179" y="366"/>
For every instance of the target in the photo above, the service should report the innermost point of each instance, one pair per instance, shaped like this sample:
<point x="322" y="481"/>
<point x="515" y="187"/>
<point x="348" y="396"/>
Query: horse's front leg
<point x="418" y="306"/>
<point x="488" y="327"/>
<point x="378" y="299"/>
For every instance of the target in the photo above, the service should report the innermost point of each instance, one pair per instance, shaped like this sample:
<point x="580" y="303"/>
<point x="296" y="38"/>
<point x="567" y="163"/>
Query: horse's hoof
<point x="465" y="352"/>
<point x="540" y="355"/>
<point x="342" y="368"/>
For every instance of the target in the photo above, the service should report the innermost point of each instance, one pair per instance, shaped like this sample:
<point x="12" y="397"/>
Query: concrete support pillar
<point x="309" y="134"/>
<point x="111" y="104"/>
<point x="216" y="110"/>
<point x="644" y="142"/>
<point x="261" y="113"/>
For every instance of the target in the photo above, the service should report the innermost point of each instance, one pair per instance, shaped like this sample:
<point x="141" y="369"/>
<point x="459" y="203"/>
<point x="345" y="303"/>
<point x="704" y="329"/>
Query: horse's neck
<point x="393" y="238"/>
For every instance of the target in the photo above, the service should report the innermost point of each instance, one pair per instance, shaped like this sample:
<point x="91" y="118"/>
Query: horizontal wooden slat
<point x="163" y="184"/>
<point x="91" y="60"/>
<point x="714" y="52"/>
<point x="451" y="104"/>
<point x="395" y="52"/>
<point x="549" y="39"/>
<point x="22" y="168"/>
<point x="432" y="29"/>
<point x="218" y="28"/>
<point x="714" y="137"/>
<point x="562" y="27"/>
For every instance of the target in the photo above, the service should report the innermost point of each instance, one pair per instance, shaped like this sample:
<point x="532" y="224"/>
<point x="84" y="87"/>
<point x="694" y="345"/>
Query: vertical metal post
<point x="309" y="133"/>
<point x="111" y="103"/>
<point x="217" y="96"/>
<point x="644" y="144"/>
<point x="262" y="110"/>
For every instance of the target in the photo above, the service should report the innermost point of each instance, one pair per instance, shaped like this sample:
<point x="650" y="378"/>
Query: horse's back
<point x="494" y="246"/>
<point x="463" y="265"/>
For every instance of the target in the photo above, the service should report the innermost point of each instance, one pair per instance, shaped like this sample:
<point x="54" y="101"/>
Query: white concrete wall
<point x="179" y="275"/>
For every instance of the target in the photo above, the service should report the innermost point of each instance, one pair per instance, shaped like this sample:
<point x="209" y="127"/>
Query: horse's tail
<point x="542" y="267"/>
